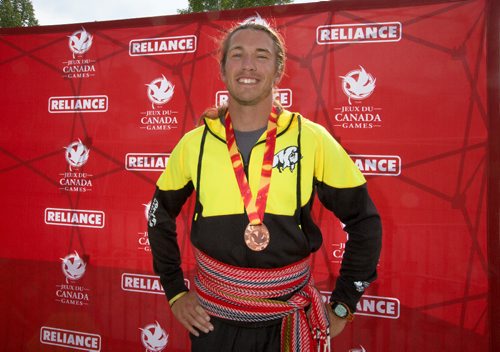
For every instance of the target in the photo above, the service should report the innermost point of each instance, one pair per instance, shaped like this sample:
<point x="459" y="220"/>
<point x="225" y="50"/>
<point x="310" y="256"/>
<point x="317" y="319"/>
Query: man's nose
<point x="248" y="63"/>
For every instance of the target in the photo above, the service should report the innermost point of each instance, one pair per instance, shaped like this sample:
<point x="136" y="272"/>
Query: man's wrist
<point x="176" y="297"/>
<point x="341" y="310"/>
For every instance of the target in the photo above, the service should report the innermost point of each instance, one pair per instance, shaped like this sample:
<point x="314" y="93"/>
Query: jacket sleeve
<point x="172" y="190"/>
<point x="342" y="189"/>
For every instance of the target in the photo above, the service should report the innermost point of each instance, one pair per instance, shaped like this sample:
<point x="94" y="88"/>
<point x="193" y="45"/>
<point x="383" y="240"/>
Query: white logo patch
<point x="361" y="285"/>
<point x="286" y="158"/>
<point x="151" y="212"/>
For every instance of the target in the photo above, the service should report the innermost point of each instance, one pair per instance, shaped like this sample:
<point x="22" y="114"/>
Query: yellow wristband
<point x="176" y="297"/>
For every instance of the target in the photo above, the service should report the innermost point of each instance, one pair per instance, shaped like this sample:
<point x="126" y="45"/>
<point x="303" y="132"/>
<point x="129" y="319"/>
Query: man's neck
<point x="249" y="117"/>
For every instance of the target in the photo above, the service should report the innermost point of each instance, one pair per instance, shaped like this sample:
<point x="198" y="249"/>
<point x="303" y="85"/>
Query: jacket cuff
<point x="348" y="293"/>
<point x="173" y="286"/>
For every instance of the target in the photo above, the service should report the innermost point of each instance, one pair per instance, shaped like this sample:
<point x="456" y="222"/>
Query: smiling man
<point x="255" y="168"/>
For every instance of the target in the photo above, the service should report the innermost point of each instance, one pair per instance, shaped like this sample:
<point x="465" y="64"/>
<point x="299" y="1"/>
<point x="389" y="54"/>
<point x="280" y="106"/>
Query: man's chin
<point x="248" y="101"/>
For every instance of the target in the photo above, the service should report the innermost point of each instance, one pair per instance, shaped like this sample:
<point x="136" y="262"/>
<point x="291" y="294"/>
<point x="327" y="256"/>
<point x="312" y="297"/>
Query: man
<point x="255" y="169"/>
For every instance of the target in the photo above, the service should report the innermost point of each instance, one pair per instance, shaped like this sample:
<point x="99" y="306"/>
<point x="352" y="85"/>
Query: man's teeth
<point x="247" y="80"/>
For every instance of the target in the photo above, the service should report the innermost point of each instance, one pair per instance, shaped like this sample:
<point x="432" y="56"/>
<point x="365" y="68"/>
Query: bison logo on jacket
<point x="288" y="157"/>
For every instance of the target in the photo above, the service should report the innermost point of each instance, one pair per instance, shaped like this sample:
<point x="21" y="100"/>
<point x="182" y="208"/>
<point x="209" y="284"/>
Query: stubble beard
<point x="250" y="102"/>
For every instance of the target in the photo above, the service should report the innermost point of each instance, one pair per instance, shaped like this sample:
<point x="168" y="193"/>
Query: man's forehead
<point x="251" y="39"/>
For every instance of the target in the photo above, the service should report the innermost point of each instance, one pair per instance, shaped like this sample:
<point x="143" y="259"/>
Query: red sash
<point x="246" y="295"/>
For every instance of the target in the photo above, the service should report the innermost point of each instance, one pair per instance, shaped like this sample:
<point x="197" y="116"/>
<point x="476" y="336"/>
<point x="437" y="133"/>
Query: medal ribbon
<point x="255" y="206"/>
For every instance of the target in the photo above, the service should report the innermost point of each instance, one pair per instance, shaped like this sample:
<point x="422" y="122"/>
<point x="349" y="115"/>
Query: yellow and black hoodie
<point x="307" y="160"/>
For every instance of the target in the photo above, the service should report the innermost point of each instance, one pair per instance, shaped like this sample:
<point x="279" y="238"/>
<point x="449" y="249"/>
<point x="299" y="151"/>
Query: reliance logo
<point x="82" y="103"/>
<point x="378" y="165"/>
<point x="359" y="33"/>
<point x="74" y="217"/>
<point x="162" y="46"/>
<point x="142" y="283"/>
<point x="146" y="161"/>
<point x="374" y="306"/>
<point x="71" y="339"/>
<point x="381" y="307"/>
<point x="283" y="95"/>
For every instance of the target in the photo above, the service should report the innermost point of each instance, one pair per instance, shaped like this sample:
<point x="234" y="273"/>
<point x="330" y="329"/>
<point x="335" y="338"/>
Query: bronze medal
<point x="256" y="233"/>
<point x="257" y="237"/>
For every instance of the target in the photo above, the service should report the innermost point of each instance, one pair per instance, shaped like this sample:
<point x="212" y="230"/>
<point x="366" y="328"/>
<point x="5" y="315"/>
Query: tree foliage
<point x="17" y="13"/>
<point x="216" y="5"/>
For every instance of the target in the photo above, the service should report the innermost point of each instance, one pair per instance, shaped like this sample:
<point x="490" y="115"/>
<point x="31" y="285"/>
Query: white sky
<point x="49" y="12"/>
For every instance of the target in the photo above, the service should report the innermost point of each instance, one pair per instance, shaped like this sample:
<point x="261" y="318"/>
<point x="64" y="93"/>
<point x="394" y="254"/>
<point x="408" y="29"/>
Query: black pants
<point x="232" y="338"/>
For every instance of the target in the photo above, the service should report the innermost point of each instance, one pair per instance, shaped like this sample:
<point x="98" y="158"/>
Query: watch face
<point x="340" y="310"/>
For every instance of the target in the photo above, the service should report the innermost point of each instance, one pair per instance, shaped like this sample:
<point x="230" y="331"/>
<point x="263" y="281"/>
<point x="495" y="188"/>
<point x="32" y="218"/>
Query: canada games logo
<point x="154" y="338"/>
<point x="79" y="44"/>
<point x="358" y="85"/>
<point x="159" y="92"/>
<point x="74" y="179"/>
<point x="256" y="19"/>
<point x="77" y="154"/>
<point x="338" y="248"/>
<point x="143" y="240"/>
<point x="73" y="268"/>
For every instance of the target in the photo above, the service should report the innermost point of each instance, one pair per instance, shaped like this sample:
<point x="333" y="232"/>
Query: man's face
<point x="250" y="69"/>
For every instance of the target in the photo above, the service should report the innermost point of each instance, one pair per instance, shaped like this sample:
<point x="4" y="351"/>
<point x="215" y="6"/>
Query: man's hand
<point x="188" y="312"/>
<point x="336" y="324"/>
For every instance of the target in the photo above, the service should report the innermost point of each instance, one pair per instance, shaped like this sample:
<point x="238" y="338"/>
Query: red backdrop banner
<point x="91" y="112"/>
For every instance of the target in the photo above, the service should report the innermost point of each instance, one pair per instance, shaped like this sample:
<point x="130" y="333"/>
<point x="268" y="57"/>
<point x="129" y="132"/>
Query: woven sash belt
<point x="245" y="295"/>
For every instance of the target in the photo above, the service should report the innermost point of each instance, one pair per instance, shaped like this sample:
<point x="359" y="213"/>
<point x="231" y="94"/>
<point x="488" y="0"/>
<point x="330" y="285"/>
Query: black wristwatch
<point x="341" y="310"/>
